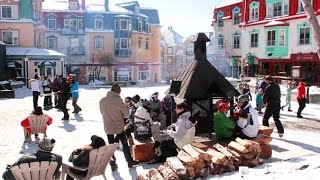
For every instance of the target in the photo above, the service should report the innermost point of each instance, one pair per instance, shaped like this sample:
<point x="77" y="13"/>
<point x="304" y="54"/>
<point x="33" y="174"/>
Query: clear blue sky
<point x="187" y="17"/>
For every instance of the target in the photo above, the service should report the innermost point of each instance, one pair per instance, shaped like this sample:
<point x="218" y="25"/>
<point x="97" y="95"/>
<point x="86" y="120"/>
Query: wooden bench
<point x="43" y="170"/>
<point x="143" y="150"/>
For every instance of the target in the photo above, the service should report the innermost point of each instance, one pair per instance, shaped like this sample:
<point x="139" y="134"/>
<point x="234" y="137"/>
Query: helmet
<point x="243" y="98"/>
<point x="223" y="107"/>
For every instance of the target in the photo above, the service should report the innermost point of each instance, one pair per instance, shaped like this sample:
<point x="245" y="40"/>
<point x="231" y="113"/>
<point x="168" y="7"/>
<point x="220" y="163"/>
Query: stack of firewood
<point x="191" y="162"/>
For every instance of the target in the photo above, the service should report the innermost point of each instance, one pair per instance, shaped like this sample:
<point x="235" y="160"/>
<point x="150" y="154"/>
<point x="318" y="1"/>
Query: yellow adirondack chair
<point x="98" y="161"/>
<point x="43" y="170"/>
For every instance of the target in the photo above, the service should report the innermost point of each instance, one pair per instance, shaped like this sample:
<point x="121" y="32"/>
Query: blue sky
<point x="187" y="17"/>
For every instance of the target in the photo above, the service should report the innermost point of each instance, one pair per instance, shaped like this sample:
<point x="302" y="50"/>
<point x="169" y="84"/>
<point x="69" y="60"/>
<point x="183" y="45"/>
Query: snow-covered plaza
<point x="298" y="147"/>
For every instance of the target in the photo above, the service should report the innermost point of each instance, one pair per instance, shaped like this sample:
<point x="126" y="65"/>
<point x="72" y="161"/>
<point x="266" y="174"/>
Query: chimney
<point x="200" y="47"/>
<point x="83" y="4"/>
<point x="106" y="5"/>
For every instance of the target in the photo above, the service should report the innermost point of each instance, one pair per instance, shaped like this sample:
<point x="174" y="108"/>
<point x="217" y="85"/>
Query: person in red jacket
<point x="301" y="97"/>
<point x="37" y="114"/>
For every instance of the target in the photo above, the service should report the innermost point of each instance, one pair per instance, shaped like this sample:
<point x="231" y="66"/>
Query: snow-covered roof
<point x="58" y="5"/>
<point x="31" y="51"/>
<point x="171" y="37"/>
<point x="226" y="17"/>
<point x="276" y="23"/>
<point x="227" y="3"/>
<point x="98" y="5"/>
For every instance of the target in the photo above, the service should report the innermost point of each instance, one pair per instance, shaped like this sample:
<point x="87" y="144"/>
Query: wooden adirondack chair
<point x="98" y="161"/>
<point x="38" y="124"/>
<point x="43" y="170"/>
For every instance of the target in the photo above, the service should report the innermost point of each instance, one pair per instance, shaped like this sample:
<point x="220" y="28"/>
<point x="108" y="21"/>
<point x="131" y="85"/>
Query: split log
<point x="167" y="173"/>
<point x="186" y="159"/>
<point x="238" y="147"/>
<point x="234" y="153"/>
<point x="217" y="157"/>
<point x="248" y="156"/>
<point x="177" y="166"/>
<point x="203" y="155"/>
<point x="191" y="151"/>
<point x="244" y="143"/>
<point x="204" y="172"/>
<point x="191" y="172"/>
<point x="154" y="174"/>
<point x="223" y="150"/>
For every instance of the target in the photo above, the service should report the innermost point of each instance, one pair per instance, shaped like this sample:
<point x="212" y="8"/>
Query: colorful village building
<point x="115" y="42"/>
<point x="23" y="35"/>
<point x="270" y="37"/>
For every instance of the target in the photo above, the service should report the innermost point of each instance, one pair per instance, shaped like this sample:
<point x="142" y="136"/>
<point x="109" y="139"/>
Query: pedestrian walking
<point x="246" y="91"/>
<point x="271" y="98"/>
<point x="55" y="88"/>
<point x="46" y="85"/>
<point x="75" y="96"/>
<point x="301" y="97"/>
<point x="35" y="86"/>
<point x="259" y="101"/>
<point x="114" y="111"/>
<point x="64" y="94"/>
<point x="289" y="88"/>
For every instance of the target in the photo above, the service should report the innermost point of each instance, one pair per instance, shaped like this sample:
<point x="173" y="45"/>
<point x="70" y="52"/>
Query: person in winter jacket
<point x="259" y="101"/>
<point x="301" y="97"/>
<point x="55" y="88"/>
<point x="183" y="131"/>
<point x="272" y="98"/>
<point x="80" y="156"/>
<point x="246" y="91"/>
<point x="248" y="120"/>
<point x="156" y="110"/>
<point x="75" y="96"/>
<point x="64" y="94"/>
<point x="44" y="153"/>
<point x="46" y="85"/>
<point x="114" y="111"/>
<point x="35" y="87"/>
<point x="288" y="96"/>
<point x="37" y="115"/>
<point x="224" y="127"/>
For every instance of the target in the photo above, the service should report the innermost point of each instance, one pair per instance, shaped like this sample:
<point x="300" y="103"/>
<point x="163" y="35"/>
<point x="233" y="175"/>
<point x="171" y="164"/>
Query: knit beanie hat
<point x="97" y="142"/>
<point x="46" y="145"/>
<point x="135" y="98"/>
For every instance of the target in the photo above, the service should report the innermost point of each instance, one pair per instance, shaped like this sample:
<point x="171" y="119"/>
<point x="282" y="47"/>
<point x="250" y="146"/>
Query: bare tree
<point x="103" y="59"/>
<point x="312" y="18"/>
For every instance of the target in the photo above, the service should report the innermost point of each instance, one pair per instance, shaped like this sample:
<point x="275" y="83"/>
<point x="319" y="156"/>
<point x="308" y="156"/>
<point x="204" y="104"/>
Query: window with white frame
<point x="73" y="5"/>
<point x="140" y="42"/>
<point x="220" y="41"/>
<point x="139" y="25"/>
<point x="73" y="24"/>
<point x="300" y="7"/>
<point x="281" y="37"/>
<point x="271" y="38"/>
<point x="236" y="41"/>
<point x="98" y="42"/>
<point x="9" y="12"/>
<point x="123" y="43"/>
<point x="143" y="75"/>
<point x="254" y="40"/>
<point x="304" y="35"/>
<point x="190" y="48"/>
<point x="52" y="43"/>
<point x="219" y="19"/>
<point x="10" y="37"/>
<point x="147" y="43"/>
<point x="52" y="24"/>
<point x="124" y="24"/>
<point x="235" y="15"/>
<point x="170" y="50"/>
<point x="169" y="59"/>
<point x="98" y="24"/>
<point x="117" y="25"/>
<point x="147" y="27"/>
<point x="279" y="8"/>
<point x="254" y="14"/>
<point x="76" y="45"/>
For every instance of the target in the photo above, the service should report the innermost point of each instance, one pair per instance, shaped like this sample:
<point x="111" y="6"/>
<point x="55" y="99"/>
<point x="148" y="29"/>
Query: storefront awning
<point x="18" y="53"/>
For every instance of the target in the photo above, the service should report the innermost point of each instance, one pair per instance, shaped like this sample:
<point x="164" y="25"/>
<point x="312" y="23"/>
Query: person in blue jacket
<point x="75" y="96"/>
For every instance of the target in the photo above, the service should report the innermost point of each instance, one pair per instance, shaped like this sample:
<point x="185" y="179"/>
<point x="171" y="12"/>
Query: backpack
<point x="142" y="130"/>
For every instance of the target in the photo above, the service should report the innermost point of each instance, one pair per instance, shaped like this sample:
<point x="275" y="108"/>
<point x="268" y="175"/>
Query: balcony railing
<point x="72" y="31"/>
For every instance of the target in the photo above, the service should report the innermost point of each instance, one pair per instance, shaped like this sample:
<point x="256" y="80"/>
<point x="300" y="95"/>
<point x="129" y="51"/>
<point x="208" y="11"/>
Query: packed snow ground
<point x="297" y="148"/>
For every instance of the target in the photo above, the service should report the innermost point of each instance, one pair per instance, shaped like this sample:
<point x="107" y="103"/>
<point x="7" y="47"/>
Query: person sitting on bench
<point x="224" y="126"/>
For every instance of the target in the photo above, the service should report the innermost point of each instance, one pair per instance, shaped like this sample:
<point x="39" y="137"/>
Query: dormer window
<point x="220" y="20"/>
<point x="254" y="11"/>
<point x="98" y="22"/>
<point x="139" y="25"/>
<point x="235" y="15"/>
<point x="73" y="5"/>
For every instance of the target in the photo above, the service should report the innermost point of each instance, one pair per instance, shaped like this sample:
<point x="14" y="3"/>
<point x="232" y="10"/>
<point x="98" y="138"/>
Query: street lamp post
<point x="25" y="60"/>
<point x="62" y="67"/>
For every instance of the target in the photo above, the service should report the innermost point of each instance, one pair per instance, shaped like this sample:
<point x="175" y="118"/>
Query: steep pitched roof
<point x="152" y="15"/>
<point x="201" y="80"/>
<point x="171" y="38"/>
